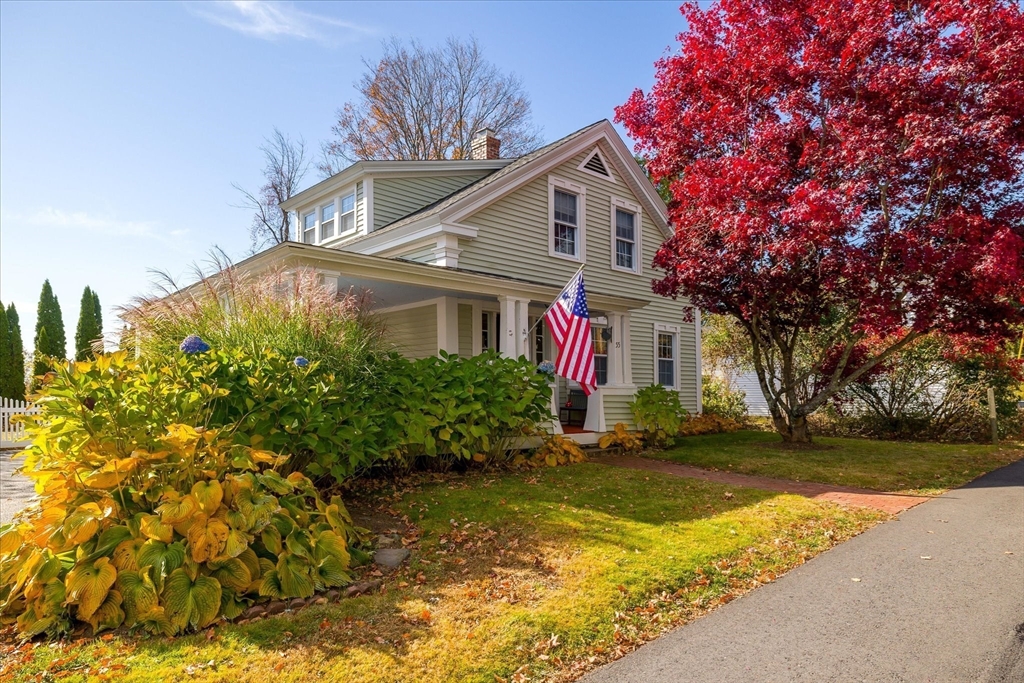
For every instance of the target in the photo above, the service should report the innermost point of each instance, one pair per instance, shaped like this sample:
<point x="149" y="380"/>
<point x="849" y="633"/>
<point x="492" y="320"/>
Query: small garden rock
<point x="297" y="603"/>
<point x="333" y="594"/>
<point x="276" y="607"/>
<point x="388" y="541"/>
<point x="254" y="612"/>
<point x="391" y="557"/>
<point x="362" y="588"/>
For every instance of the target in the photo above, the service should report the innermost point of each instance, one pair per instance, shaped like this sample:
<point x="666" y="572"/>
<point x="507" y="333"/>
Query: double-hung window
<point x="566" y="224"/>
<point x="625" y="236"/>
<point x="327" y="222"/>
<point x="348" y="214"/>
<point x="309" y="228"/>
<point x="567" y="217"/>
<point x="666" y="353"/>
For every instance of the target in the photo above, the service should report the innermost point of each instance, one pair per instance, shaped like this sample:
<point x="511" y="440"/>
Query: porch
<point x="429" y="309"/>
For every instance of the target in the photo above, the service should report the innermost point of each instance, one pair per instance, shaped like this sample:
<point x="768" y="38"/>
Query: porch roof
<point x="395" y="271"/>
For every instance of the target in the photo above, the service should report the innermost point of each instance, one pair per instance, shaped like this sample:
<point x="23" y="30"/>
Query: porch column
<point x="514" y="317"/>
<point x="448" y="325"/>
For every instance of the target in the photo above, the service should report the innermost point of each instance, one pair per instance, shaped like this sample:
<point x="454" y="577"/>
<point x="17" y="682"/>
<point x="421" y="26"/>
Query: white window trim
<point x="336" y="203"/>
<point x="354" y="212"/>
<point x="581" y="218"/>
<point x="634" y="208"/>
<point x="604" y="162"/>
<point x="317" y="211"/>
<point x="674" y="330"/>
<point x="302" y="226"/>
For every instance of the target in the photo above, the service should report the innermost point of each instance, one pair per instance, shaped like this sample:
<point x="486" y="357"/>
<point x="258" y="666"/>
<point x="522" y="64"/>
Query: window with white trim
<point x="327" y="221"/>
<point x="567" y="226"/>
<point x="666" y="355"/>
<point x="625" y="236"/>
<point x="309" y="228"/>
<point x="348" y="213"/>
<point x="567" y="216"/>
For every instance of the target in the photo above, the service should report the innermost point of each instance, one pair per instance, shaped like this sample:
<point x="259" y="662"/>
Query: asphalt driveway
<point x="15" y="490"/>
<point x="937" y="595"/>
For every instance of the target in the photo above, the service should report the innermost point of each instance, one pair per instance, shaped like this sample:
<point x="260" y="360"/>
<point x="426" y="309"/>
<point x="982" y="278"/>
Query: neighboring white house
<point x="465" y="255"/>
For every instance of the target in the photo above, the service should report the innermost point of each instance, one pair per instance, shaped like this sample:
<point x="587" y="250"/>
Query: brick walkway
<point x="845" y="495"/>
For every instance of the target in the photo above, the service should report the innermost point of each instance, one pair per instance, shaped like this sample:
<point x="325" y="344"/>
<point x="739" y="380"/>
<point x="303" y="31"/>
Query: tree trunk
<point x="792" y="429"/>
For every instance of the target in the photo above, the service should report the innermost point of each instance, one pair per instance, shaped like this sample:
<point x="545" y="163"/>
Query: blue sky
<point x="123" y="125"/>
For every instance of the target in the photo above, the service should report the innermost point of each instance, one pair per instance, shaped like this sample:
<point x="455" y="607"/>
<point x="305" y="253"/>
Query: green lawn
<point x="880" y="465"/>
<point x="515" y="577"/>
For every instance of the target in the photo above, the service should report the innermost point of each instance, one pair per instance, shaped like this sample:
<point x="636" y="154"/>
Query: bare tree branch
<point x="426" y="103"/>
<point x="285" y="164"/>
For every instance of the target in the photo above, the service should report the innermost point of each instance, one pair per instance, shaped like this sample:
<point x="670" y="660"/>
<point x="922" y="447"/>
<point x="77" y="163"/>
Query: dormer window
<point x="348" y="213"/>
<point x="309" y="228"/>
<point x="327" y="222"/>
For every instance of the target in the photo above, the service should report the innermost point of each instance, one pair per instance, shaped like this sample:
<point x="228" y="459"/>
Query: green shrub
<point x="658" y="413"/>
<point x="718" y="399"/>
<point x="461" y="407"/>
<point x="163" y="529"/>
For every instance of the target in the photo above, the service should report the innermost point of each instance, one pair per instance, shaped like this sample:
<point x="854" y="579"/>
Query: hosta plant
<point x="628" y="441"/>
<point x="556" y="450"/>
<point x="165" y="530"/>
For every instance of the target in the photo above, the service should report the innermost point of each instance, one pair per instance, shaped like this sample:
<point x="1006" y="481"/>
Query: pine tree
<point x="88" y="329"/>
<point x="50" y="318"/>
<point x="17" y="355"/>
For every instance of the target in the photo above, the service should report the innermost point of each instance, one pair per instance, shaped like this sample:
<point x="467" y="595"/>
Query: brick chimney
<point x="485" y="145"/>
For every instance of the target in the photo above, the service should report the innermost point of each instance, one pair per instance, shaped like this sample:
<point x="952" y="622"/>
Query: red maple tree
<point x="841" y="171"/>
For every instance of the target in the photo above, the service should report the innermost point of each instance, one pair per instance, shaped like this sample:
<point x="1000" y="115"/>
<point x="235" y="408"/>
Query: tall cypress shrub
<point x="89" y="328"/>
<point x="17" y="355"/>
<point x="49" y="317"/>
<point x="5" y="355"/>
<point x="99" y="312"/>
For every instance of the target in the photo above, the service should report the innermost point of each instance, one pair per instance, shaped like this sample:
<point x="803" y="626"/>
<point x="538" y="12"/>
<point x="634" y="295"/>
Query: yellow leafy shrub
<point x="623" y="438"/>
<point x="556" y="450"/>
<point x="707" y="424"/>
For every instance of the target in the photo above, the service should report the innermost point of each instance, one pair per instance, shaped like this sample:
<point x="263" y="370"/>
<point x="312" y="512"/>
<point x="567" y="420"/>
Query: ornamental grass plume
<point x="294" y="313"/>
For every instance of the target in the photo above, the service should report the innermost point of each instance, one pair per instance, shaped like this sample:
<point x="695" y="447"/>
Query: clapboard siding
<point x="465" y="330"/>
<point x="616" y="409"/>
<point x="394" y="198"/>
<point x="748" y="384"/>
<point x="360" y="208"/>
<point x="513" y="241"/>
<point x="413" y="331"/>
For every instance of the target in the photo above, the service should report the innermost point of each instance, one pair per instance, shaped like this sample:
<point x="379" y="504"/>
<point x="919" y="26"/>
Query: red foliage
<point x="856" y="156"/>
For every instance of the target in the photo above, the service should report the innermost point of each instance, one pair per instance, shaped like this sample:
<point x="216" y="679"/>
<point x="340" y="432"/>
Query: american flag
<point x="569" y="321"/>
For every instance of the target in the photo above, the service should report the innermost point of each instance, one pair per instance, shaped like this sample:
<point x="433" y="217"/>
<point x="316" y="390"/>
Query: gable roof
<point x="496" y="184"/>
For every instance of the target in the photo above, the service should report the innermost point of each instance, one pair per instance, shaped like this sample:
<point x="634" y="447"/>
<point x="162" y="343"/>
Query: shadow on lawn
<point x="510" y="531"/>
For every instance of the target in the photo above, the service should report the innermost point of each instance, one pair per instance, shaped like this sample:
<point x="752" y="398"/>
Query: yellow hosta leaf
<point x="177" y="509"/>
<point x="191" y="603"/>
<point x="209" y="495"/>
<point x="46" y="524"/>
<point x="83" y="523"/>
<point x="11" y="540"/>
<point x="479" y="457"/>
<point x="140" y="595"/>
<point x="125" y="552"/>
<point x="152" y="527"/>
<point x="88" y="584"/>
<point x="233" y="574"/>
<point x="108" y="615"/>
<point x="112" y="473"/>
<point x="207" y="538"/>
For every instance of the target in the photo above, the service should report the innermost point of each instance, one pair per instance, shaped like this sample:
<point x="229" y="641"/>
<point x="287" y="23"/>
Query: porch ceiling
<point x="395" y="282"/>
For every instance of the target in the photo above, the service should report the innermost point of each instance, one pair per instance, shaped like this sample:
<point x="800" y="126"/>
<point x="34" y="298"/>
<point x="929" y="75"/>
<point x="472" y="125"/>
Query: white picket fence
<point x="12" y="433"/>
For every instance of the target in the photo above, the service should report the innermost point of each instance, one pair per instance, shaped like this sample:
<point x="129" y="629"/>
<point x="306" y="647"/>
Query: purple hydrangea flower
<point x="301" y="362"/>
<point x="193" y="344"/>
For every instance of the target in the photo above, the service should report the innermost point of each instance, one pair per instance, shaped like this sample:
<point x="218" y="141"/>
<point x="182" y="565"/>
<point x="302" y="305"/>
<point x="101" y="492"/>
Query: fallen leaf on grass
<point x="926" y="557"/>
<point x="857" y="580"/>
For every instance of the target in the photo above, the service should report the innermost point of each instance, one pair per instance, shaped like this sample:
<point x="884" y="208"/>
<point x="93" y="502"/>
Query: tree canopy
<point x="49" y="317"/>
<point x="417" y="102"/>
<point x="843" y="173"/>
<point x="90" y="325"/>
<point x="12" y="368"/>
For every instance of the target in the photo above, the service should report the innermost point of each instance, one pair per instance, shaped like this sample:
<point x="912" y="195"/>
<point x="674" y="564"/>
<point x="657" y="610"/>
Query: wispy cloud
<point x="273" y="20"/>
<point x="81" y="221"/>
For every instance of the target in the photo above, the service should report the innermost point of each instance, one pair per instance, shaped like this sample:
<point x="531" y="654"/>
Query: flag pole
<point x="526" y="337"/>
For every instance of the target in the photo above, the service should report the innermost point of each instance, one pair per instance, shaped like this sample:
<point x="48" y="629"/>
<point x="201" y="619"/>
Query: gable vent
<point x="595" y="165"/>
